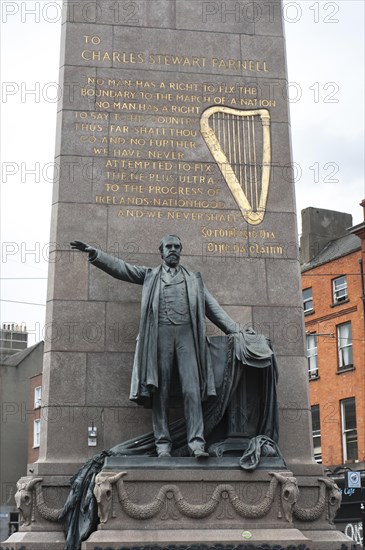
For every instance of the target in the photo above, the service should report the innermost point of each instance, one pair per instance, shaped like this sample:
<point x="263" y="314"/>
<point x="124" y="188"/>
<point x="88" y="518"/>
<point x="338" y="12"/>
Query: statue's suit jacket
<point x="201" y="305"/>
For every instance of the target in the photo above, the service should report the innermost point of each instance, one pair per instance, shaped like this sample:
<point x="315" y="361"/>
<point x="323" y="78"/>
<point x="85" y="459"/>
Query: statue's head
<point x="170" y="249"/>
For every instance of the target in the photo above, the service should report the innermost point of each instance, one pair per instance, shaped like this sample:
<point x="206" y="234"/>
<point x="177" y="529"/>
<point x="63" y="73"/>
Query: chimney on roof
<point x="319" y="227"/>
<point x="359" y="230"/>
<point x="362" y="203"/>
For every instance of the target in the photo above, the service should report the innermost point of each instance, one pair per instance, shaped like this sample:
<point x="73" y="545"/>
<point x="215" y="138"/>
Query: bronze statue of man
<point x="174" y="305"/>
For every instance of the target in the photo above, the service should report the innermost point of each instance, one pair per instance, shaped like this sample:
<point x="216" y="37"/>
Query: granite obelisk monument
<point x="173" y="120"/>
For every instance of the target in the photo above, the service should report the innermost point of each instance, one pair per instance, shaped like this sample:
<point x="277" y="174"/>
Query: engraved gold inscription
<point x="149" y="155"/>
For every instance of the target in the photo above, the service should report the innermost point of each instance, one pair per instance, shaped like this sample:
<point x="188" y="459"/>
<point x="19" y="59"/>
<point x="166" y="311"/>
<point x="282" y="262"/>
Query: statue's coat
<point x="201" y="305"/>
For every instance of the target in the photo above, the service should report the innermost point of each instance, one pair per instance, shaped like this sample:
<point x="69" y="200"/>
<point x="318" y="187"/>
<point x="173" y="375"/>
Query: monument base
<point x="146" y="501"/>
<point x="199" y="539"/>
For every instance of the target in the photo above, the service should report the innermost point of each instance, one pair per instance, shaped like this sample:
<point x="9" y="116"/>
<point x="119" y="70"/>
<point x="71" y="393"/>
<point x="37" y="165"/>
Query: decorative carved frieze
<point x="171" y="503"/>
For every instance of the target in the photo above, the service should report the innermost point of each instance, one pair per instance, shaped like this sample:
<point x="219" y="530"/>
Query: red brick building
<point x="334" y="303"/>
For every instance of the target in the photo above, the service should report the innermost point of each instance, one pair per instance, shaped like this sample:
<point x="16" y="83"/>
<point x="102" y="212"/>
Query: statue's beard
<point x="172" y="260"/>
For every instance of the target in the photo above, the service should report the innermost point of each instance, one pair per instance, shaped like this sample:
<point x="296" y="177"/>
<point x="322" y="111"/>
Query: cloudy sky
<point x="326" y="71"/>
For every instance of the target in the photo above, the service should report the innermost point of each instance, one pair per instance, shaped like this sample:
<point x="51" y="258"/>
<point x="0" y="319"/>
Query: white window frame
<point x="339" y="289"/>
<point x="316" y="434"/>
<point x="37" y="397"/>
<point x="348" y="432"/>
<point x="307" y="300"/>
<point x="312" y="356"/>
<point x="36" y="433"/>
<point x="344" y="346"/>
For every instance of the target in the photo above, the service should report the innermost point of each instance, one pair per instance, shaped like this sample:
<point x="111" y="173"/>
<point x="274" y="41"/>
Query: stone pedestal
<point x="211" y="502"/>
<point x="200" y="503"/>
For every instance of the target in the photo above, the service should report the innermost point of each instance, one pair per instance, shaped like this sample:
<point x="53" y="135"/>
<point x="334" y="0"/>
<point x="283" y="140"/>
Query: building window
<point x="339" y="286"/>
<point x="312" y="355"/>
<point x="316" y="433"/>
<point x="349" y="431"/>
<point x="37" y="397"/>
<point x="36" y="433"/>
<point x="13" y="523"/>
<point x="307" y="300"/>
<point x="344" y="343"/>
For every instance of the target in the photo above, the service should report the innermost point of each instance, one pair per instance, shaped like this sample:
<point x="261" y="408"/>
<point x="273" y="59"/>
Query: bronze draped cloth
<point x="240" y="361"/>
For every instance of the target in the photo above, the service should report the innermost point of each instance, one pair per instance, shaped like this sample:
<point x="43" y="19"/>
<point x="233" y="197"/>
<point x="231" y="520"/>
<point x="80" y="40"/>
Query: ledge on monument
<point x="43" y="540"/>
<point x="312" y="540"/>
<point x="55" y="468"/>
<point x="113" y="539"/>
<point x="186" y="463"/>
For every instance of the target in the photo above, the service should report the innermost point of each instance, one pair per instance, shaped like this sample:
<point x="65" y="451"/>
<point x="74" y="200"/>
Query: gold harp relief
<point x="240" y="143"/>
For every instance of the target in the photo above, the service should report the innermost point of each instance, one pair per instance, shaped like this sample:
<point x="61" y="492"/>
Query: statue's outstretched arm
<point x="113" y="266"/>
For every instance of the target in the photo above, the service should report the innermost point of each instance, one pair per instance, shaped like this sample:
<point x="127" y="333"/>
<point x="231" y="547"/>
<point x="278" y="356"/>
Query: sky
<point x="325" y="51"/>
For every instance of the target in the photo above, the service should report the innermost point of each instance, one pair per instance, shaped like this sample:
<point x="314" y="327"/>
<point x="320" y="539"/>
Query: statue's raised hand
<point x="83" y="247"/>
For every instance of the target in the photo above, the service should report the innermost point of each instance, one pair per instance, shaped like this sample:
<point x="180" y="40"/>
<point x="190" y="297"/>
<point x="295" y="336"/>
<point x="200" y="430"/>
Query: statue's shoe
<point x="200" y="453"/>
